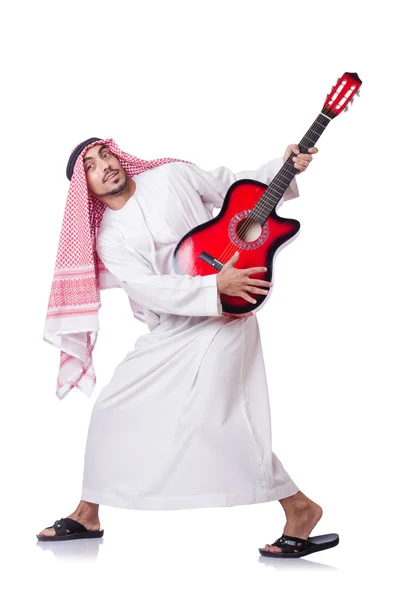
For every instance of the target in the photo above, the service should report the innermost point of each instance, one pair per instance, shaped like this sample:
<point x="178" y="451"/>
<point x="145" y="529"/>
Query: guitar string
<point x="256" y="212"/>
<point x="245" y="227"/>
<point x="288" y="162"/>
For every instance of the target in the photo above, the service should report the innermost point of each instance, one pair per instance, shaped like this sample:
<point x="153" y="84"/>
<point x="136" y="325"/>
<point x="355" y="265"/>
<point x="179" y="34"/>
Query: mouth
<point x="111" y="175"/>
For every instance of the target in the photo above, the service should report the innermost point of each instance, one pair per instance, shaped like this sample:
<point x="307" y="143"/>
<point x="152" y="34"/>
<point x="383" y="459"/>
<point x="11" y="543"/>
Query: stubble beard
<point x="117" y="190"/>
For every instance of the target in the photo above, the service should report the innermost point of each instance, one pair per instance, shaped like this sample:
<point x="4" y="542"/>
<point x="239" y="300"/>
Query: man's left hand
<point x="301" y="161"/>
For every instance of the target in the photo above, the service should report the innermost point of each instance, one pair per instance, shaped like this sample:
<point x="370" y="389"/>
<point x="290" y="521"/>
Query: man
<point x="185" y="420"/>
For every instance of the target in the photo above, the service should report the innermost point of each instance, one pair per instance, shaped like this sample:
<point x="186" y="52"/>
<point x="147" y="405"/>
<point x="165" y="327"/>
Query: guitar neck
<point x="274" y="192"/>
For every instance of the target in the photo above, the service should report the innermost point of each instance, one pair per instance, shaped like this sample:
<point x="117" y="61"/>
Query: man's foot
<point x="86" y="513"/>
<point x="302" y="516"/>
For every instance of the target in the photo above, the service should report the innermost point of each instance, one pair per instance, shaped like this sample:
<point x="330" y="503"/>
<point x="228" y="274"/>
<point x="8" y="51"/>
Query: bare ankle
<point x="88" y="505"/>
<point x="87" y="509"/>
<point x="297" y="503"/>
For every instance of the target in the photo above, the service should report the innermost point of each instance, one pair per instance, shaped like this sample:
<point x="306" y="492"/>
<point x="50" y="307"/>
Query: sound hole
<point x="249" y="230"/>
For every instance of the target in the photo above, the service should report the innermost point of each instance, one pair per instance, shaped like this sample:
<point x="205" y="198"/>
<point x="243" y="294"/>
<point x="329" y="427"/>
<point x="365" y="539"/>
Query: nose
<point x="105" y="168"/>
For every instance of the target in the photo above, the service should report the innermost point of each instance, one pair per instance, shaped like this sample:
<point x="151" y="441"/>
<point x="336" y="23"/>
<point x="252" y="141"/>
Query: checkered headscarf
<point x="72" y="322"/>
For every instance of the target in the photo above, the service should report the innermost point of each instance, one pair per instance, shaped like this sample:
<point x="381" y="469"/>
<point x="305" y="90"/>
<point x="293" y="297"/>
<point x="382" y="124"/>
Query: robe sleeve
<point x="171" y="294"/>
<point x="213" y="185"/>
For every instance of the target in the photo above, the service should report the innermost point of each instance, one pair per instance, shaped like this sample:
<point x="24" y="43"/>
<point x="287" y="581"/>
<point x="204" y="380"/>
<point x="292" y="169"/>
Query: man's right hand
<point x="236" y="282"/>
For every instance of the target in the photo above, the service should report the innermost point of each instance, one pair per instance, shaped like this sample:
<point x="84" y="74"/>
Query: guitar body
<point x="207" y="247"/>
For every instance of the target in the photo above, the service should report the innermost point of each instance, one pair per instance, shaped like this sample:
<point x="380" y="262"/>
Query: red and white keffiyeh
<point x="72" y="322"/>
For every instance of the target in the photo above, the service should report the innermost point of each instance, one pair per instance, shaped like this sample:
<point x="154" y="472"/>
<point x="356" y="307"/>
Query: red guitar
<point x="248" y="221"/>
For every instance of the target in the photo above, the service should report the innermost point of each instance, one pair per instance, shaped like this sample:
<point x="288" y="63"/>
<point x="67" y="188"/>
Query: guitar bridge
<point x="210" y="260"/>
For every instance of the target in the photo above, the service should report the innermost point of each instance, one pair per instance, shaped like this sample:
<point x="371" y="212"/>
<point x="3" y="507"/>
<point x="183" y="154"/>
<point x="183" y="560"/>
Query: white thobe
<point x="185" y="420"/>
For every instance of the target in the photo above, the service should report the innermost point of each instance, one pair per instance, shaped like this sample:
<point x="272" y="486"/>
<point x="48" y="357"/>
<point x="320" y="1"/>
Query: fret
<point x="277" y="187"/>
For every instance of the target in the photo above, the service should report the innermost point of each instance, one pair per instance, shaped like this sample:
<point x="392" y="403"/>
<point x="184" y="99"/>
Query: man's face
<point x="105" y="176"/>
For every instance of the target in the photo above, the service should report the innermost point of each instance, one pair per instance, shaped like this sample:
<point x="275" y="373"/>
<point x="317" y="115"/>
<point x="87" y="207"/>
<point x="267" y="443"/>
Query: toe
<point x="48" y="531"/>
<point x="272" y="548"/>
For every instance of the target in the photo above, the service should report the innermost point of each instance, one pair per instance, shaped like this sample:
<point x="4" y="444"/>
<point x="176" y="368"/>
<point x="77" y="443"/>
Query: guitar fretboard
<point x="269" y="200"/>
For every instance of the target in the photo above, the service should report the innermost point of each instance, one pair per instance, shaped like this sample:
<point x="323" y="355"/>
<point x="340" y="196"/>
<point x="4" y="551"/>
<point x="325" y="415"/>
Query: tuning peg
<point x="345" y="109"/>
<point x="352" y="100"/>
<point x="358" y="93"/>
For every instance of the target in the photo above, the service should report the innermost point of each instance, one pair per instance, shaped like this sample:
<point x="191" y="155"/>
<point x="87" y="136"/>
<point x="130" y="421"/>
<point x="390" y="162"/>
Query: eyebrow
<point x="91" y="157"/>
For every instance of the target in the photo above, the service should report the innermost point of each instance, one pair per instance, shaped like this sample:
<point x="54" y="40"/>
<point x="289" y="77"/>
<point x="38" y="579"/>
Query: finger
<point x="246" y="297"/>
<point x="291" y="149"/>
<point x="257" y="282"/>
<point x="256" y="290"/>
<point x="313" y="149"/>
<point x="301" y="165"/>
<point x="262" y="283"/>
<point x="303" y="159"/>
<point x="251" y="288"/>
<point x="254" y="270"/>
<point x="306" y="157"/>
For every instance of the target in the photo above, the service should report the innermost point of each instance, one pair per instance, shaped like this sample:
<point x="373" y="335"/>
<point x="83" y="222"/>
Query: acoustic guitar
<point x="248" y="221"/>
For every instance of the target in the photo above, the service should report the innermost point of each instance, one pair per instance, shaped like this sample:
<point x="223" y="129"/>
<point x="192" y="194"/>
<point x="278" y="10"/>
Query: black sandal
<point x="289" y="544"/>
<point x="77" y="531"/>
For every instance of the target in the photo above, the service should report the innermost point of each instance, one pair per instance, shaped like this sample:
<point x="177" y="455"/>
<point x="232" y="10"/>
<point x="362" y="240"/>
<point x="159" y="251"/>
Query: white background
<point x="229" y="83"/>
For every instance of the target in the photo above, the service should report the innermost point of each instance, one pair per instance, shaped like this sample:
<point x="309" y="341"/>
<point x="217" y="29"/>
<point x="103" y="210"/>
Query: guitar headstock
<point x="341" y="94"/>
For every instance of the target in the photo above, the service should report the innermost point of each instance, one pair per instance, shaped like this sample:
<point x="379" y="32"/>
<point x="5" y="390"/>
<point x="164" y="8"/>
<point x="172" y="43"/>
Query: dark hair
<point x="75" y="153"/>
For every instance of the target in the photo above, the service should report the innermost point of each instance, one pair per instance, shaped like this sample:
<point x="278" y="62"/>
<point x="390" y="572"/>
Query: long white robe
<point x="185" y="420"/>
